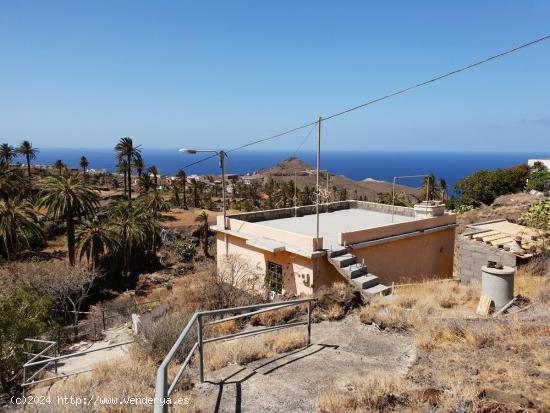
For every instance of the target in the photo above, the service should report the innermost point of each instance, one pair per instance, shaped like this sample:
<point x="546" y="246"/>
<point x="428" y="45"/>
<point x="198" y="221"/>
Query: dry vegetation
<point x="465" y="363"/>
<point x="243" y="351"/>
<point x="511" y="207"/>
<point x="128" y="376"/>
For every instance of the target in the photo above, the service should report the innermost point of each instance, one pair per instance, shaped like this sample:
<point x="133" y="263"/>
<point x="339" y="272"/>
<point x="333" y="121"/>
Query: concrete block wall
<point x="258" y="216"/>
<point x="472" y="255"/>
<point x="386" y="208"/>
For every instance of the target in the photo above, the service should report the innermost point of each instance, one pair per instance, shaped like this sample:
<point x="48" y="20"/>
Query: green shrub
<point x="22" y="314"/>
<point x="538" y="215"/>
<point x="484" y="186"/>
<point x="184" y="250"/>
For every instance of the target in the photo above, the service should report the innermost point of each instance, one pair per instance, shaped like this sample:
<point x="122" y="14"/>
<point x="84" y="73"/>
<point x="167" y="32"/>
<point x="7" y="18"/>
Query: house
<point x="499" y="241"/>
<point x="367" y="244"/>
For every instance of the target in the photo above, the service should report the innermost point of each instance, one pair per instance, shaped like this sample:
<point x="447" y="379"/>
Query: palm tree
<point x="138" y="164"/>
<point x="153" y="170"/>
<point x="194" y="186"/>
<point x="18" y="223"/>
<point x="145" y="183"/>
<point x="7" y="153"/>
<point x="127" y="151"/>
<point x="202" y="218"/>
<point x="68" y="198"/>
<point x="442" y="185"/>
<point x="122" y="168"/>
<point x="182" y="179"/>
<point x="136" y="225"/>
<point x="84" y="164"/>
<point x="59" y="165"/>
<point x="29" y="153"/>
<point x="11" y="182"/>
<point x="95" y="238"/>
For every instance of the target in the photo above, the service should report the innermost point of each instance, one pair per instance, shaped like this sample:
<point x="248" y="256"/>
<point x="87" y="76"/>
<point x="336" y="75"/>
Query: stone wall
<point x="472" y="255"/>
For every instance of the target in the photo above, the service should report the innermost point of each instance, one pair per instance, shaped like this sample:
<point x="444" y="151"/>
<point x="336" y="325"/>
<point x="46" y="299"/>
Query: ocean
<point x="450" y="166"/>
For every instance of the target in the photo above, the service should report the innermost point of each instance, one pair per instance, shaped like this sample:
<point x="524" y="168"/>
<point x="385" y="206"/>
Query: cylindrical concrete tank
<point x="498" y="283"/>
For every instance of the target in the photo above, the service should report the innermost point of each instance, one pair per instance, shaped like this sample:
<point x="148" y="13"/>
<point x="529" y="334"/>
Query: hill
<point x="305" y="176"/>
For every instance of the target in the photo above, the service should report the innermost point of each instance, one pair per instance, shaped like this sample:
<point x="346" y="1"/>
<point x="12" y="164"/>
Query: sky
<point x="219" y="74"/>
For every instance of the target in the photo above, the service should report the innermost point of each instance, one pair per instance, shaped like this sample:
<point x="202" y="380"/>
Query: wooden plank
<point x="480" y="235"/>
<point x="501" y="241"/>
<point x="484" y="306"/>
<point x="494" y="237"/>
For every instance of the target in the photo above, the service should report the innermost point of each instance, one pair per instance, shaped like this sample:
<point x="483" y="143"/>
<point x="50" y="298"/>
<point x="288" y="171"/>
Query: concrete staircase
<point x="355" y="272"/>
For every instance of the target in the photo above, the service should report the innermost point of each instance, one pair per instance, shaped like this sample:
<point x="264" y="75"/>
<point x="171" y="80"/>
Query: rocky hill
<point x="369" y="188"/>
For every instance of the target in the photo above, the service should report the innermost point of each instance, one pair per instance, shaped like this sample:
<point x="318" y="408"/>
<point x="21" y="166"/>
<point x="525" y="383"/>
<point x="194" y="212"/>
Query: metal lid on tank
<point x="504" y="270"/>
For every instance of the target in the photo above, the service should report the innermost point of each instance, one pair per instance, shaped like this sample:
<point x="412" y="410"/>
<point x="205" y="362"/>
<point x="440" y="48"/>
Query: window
<point x="274" y="277"/>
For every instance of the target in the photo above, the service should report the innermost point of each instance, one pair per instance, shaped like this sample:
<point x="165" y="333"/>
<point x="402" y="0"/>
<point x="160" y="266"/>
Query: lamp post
<point x="221" y="155"/>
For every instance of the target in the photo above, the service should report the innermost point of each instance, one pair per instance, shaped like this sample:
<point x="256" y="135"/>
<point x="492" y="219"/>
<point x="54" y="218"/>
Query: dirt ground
<point x="290" y="382"/>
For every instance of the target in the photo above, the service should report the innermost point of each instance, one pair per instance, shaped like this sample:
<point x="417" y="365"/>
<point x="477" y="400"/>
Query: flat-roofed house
<point x="367" y="244"/>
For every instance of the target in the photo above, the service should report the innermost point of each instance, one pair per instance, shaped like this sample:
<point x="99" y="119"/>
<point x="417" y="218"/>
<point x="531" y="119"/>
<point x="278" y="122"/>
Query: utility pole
<point x="318" y="167"/>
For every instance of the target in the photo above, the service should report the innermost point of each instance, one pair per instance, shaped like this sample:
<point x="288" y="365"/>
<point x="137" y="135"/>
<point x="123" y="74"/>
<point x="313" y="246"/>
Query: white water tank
<point x="498" y="283"/>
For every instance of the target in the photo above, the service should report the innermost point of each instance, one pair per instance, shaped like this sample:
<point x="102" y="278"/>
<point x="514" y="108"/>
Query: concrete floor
<point x="291" y="382"/>
<point x="331" y="224"/>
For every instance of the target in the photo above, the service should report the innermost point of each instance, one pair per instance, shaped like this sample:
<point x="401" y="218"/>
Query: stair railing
<point x="163" y="388"/>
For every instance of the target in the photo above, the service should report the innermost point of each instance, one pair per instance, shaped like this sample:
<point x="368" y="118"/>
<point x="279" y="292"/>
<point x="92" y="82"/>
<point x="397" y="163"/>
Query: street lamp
<point x="221" y="155"/>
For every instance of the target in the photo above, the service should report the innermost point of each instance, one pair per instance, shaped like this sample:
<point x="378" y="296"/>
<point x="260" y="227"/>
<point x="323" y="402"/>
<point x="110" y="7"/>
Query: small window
<point x="274" y="277"/>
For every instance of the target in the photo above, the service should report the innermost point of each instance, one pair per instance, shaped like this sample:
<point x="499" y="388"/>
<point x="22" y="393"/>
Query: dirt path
<point x="292" y="381"/>
<point x="87" y="361"/>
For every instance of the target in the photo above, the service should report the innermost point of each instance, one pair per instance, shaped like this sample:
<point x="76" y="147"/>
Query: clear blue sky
<point x="220" y="73"/>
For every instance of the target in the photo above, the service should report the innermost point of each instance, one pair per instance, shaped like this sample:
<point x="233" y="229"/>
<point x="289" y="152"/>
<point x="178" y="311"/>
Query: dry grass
<point x="245" y="350"/>
<point x="410" y="306"/>
<point x="461" y="354"/>
<point x="118" y="378"/>
<point x="334" y="302"/>
<point x="281" y="316"/>
<point x="376" y="392"/>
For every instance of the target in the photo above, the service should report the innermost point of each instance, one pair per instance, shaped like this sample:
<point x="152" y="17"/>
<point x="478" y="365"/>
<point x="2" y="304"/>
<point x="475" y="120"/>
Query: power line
<point x="304" y="141"/>
<point x="396" y="93"/>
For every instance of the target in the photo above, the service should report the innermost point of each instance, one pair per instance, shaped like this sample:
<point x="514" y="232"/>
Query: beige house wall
<point x="298" y="271"/>
<point x="416" y="258"/>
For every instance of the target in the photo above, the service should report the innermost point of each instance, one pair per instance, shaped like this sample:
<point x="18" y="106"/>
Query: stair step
<point x="379" y="289"/>
<point x="366" y="281"/>
<point x="338" y="251"/>
<point x="355" y="270"/>
<point x="344" y="260"/>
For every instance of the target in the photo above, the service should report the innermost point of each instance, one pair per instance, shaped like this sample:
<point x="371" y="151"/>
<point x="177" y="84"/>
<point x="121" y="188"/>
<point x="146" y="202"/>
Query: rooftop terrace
<point x="342" y="223"/>
<point x="331" y="224"/>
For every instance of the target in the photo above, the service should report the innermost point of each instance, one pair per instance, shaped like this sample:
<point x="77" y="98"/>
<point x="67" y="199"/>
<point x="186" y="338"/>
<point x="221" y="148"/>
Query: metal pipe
<point x="236" y="317"/>
<point x="318" y="166"/>
<point x="395" y="178"/>
<point x="254" y="306"/>
<point x="200" y="348"/>
<point x="221" y="154"/>
<point x="309" y="323"/>
<point x="66" y="356"/>
<point x="254" y="332"/>
<point x="180" y="371"/>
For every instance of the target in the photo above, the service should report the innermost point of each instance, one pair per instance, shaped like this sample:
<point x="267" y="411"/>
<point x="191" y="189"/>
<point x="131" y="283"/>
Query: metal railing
<point x="163" y="389"/>
<point x="42" y="365"/>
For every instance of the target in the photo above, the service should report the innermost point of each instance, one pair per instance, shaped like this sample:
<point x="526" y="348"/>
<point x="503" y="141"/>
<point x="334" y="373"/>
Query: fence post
<point x="103" y="319"/>
<point x="308" y="323"/>
<point x="199" y="347"/>
<point x="56" y="354"/>
<point x="24" y="380"/>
